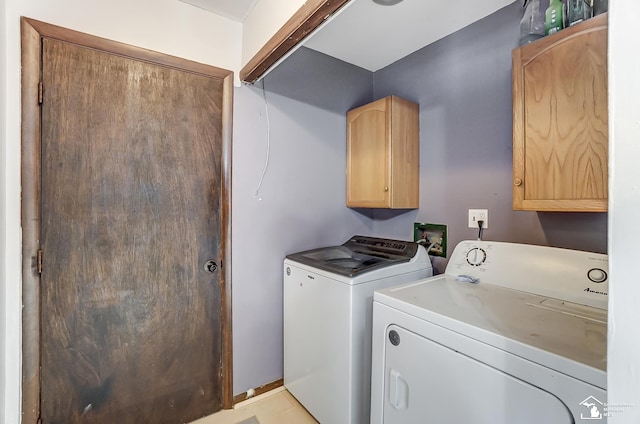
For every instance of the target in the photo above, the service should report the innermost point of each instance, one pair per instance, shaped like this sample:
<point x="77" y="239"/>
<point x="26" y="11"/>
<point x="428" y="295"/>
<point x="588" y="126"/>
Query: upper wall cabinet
<point x="383" y="158"/>
<point x="560" y="120"/>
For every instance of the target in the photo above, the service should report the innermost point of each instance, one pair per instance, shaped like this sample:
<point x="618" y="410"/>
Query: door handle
<point x="398" y="391"/>
<point x="210" y="266"/>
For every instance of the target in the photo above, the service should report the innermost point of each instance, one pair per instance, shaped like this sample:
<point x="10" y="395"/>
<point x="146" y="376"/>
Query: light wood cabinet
<point x="383" y="155"/>
<point x="560" y="120"/>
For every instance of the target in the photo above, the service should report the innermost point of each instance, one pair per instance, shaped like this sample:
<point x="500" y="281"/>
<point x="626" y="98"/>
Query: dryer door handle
<point x="398" y="391"/>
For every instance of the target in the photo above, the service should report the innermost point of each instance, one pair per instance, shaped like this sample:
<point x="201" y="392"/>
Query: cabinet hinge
<point x="40" y="92"/>
<point x="39" y="261"/>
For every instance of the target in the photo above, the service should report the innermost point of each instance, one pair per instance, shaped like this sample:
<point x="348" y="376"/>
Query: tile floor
<point x="274" y="407"/>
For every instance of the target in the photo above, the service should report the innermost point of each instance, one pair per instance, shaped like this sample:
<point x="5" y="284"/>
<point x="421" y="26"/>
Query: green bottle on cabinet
<point x="554" y="21"/>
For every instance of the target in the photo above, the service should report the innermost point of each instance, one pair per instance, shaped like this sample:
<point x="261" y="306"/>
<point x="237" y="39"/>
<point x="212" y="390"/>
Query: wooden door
<point x="132" y="239"/>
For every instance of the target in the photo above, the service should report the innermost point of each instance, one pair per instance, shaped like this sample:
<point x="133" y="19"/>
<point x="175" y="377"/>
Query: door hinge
<point x="40" y="92"/>
<point x="39" y="262"/>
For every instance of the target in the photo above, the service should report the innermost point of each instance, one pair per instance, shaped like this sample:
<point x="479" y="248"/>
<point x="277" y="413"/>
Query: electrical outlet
<point x="476" y="215"/>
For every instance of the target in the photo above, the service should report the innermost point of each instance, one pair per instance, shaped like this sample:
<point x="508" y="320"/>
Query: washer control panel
<point x="570" y="275"/>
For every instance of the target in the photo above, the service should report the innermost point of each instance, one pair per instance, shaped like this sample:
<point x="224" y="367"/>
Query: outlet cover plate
<point x="476" y="215"/>
<point x="433" y="233"/>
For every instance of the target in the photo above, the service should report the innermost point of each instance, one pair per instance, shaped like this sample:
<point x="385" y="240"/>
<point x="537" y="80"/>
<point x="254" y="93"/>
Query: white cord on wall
<point x="266" y="162"/>
<point x="424" y="243"/>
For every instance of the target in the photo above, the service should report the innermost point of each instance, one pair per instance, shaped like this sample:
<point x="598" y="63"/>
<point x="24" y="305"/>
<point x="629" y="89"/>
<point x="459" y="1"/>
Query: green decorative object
<point x="434" y="235"/>
<point x="554" y="19"/>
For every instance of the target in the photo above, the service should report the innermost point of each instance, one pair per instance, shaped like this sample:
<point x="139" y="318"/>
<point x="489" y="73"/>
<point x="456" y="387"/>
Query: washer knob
<point x="597" y="275"/>
<point x="476" y="256"/>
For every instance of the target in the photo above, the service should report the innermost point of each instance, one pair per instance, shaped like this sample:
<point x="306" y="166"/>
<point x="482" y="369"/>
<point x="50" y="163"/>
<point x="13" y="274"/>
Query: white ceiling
<point x="235" y="10"/>
<point x="372" y="36"/>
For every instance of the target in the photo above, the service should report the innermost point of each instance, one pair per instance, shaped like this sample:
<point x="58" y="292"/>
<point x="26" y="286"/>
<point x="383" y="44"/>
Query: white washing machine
<point x="328" y="297"/>
<point x="525" y="343"/>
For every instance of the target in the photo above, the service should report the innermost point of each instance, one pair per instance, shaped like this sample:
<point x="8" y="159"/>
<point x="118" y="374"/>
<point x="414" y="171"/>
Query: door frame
<point x="311" y="16"/>
<point x="32" y="33"/>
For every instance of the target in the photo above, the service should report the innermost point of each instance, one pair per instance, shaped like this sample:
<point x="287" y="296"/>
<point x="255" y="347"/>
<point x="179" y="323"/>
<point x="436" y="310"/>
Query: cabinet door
<point x="560" y="122"/>
<point x="405" y="154"/>
<point x="368" y="155"/>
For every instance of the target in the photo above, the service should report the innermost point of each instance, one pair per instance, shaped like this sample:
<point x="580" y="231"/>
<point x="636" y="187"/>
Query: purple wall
<point x="463" y="86"/>
<point x="301" y="203"/>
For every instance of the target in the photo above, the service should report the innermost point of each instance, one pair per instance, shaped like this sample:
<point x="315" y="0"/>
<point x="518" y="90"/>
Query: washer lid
<point x="358" y="255"/>
<point x="567" y="337"/>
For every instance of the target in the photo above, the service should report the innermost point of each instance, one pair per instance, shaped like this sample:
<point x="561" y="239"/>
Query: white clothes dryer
<point x="328" y="301"/>
<point x="511" y="333"/>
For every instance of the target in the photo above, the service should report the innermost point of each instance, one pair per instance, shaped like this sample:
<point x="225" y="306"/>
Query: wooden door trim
<point x="32" y="33"/>
<point x="310" y="16"/>
<point x="55" y="32"/>
<point x="225" y="290"/>
<point x="30" y="223"/>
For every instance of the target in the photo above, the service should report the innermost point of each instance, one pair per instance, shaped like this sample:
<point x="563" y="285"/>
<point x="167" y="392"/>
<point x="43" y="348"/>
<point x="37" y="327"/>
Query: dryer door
<point x="426" y="382"/>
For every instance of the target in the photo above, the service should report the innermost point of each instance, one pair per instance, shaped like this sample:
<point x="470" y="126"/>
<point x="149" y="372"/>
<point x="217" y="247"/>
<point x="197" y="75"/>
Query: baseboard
<point x="257" y="391"/>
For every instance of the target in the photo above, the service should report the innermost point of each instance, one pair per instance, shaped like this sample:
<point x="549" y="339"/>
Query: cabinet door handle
<point x="517" y="182"/>
<point x="386" y="188"/>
